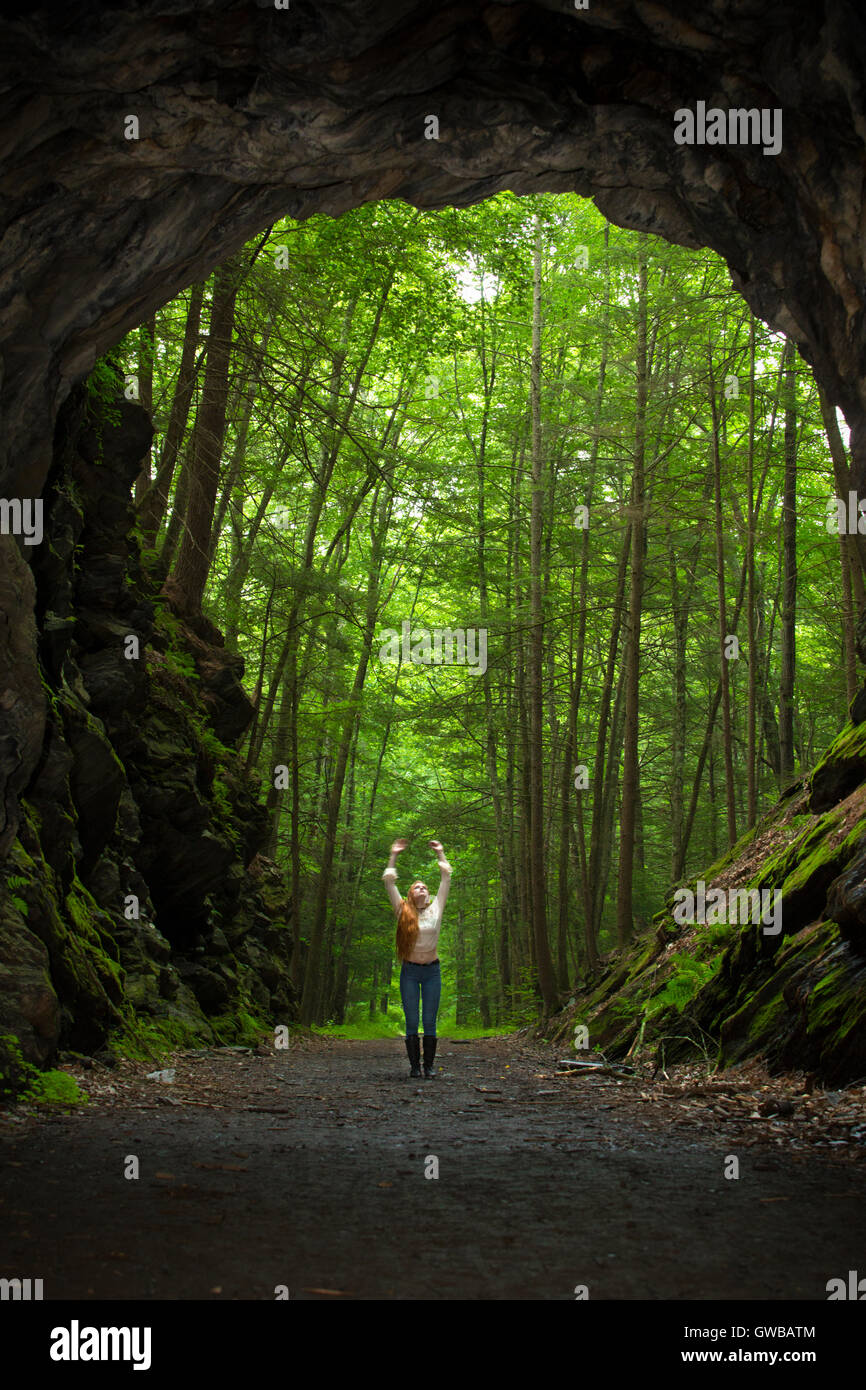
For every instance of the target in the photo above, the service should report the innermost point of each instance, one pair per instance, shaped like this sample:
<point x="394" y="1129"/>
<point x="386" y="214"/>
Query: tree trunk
<point x="480" y="979"/>
<point x="568" y="753"/>
<point x="460" y="1011"/>
<point x="725" y="673"/>
<point x="849" y="636"/>
<point x="630" y="773"/>
<point x="371" y="1012"/>
<point x="595" y="903"/>
<point x="855" y="542"/>
<point x="537" y="883"/>
<point x="191" y="569"/>
<point x="789" y="581"/>
<point x="247" y="393"/>
<point x="752" y="701"/>
<point x="147" y="337"/>
<point x="153" y="505"/>
<point x="312" y="981"/>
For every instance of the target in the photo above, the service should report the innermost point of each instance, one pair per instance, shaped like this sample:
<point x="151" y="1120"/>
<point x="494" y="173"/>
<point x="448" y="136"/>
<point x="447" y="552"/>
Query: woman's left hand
<point x="435" y="844"/>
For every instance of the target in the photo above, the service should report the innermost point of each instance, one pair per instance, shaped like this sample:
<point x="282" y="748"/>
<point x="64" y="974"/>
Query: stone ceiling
<point x="247" y="112"/>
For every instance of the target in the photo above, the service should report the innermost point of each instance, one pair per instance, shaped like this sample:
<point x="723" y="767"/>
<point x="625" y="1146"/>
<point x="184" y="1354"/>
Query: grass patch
<point x="384" y="1027"/>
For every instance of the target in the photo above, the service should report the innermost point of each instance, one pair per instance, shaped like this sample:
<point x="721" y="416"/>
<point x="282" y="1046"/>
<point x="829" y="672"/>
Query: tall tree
<point x="631" y="770"/>
<point x="152" y="506"/>
<point x="724" y="635"/>
<point x="193" y="560"/>
<point x="789" y="575"/>
<point x="537" y="874"/>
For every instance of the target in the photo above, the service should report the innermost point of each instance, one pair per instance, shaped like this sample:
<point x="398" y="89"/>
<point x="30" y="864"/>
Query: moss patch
<point x="241" y="1029"/>
<point x="19" y="1081"/>
<point x="151" y="1040"/>
<point x="55" y="1088"/>
<point x="842" y="768"/>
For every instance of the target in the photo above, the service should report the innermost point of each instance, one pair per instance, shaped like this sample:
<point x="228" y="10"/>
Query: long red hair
<point x="407" y="929"/>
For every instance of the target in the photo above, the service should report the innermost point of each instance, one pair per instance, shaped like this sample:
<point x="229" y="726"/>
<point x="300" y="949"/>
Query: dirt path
<point x="306" y="1168"/>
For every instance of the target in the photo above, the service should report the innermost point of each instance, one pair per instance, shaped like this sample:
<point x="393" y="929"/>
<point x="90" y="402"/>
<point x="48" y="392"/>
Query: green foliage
<point x="15" y="1073"/>
<point x="222" y="801"/>
<point x="104" y="388"/>
<point x="380" y="463"/>
<point x="152" y="1040"/>
<point x="14" y="881"/>
<point x="718" y="933"/>
<point x="178" y="656"/>
<point x="242" y="1029"/>
<point x="625" y="1008"/>
<point x="24" y="1083"/>
<point x="689" y="976"/>
<point x="55" y="1088"/>
<point x="394" y="1026"/>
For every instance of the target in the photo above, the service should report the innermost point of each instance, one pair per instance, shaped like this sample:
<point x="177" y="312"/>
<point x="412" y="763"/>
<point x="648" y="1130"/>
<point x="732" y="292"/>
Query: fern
<point x="688" y="977"/>
<point x="104" y="388"/>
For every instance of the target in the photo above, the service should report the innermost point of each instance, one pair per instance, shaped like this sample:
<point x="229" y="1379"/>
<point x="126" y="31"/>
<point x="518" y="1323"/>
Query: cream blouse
<point x="430" y="920"/>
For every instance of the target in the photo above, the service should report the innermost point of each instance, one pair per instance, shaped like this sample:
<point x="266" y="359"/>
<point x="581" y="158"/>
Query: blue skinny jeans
<point x="427" y="978"/>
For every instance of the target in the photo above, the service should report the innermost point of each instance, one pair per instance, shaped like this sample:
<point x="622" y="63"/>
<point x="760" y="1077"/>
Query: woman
<point x="418" y="922"/>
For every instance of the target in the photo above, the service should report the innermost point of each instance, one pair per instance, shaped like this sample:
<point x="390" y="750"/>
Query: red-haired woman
<point x="418" y="921"/>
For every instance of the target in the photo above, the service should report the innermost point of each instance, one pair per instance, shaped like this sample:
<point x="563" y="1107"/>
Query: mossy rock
<point x="86" y="975"/>
<point x="835" y="1021"/>
<point x="29" y="1007"/>
<point x="16" y="1072"/>
<point x="841" y="770"/>
<point x="173" y="1027"/>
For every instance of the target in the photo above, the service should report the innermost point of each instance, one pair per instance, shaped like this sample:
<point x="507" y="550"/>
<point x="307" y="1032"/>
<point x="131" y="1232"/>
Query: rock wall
<point x="245" y="113"/>
<point x="732" y="990"/>
<point x="136" y="792"/>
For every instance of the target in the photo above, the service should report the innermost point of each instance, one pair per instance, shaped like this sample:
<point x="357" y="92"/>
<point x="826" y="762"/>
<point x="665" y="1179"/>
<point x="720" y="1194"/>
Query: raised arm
<point x="389" y="877"/>
<point x="445" y="875"/>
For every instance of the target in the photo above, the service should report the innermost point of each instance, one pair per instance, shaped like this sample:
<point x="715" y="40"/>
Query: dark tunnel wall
<point x="246" y="113"/>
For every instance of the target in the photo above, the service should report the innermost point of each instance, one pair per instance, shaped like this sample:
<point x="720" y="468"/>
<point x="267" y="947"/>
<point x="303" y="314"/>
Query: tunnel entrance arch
<point x="144" y="145"/>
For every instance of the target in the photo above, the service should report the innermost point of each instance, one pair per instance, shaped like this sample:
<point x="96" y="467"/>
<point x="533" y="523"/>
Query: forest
<point x="433" y="671"/>
<point x="526" y="531"/>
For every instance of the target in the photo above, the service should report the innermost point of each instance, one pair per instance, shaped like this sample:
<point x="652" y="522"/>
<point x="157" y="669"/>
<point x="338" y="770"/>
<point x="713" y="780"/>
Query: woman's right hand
<point x="399" y="845"/>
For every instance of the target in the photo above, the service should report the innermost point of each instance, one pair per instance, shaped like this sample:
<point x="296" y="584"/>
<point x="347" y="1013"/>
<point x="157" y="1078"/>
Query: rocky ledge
<point x="135" y="908"/>
<point x="786" y="981"/>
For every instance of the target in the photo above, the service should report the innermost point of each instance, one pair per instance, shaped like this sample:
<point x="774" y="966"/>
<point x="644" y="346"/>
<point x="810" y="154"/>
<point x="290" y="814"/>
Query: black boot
<point x="429" y="1054"/>
<point x="413" y="1047"/>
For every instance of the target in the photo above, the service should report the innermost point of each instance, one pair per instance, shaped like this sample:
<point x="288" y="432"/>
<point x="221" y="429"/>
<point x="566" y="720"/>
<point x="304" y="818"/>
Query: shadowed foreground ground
<point x="306" y="1168"/>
